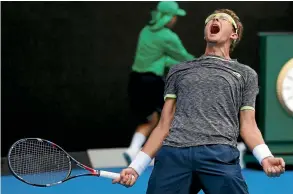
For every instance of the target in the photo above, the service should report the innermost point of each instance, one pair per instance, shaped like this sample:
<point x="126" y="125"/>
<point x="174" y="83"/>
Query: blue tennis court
<point x="257" y="182"/>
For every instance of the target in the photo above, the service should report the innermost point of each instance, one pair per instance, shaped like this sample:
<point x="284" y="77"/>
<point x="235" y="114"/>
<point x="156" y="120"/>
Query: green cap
<point x="166" y="10"/>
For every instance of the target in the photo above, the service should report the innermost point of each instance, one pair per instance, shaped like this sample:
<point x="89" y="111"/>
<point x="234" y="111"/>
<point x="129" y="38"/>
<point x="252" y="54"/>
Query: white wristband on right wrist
<point x="261" y="151"/>
<point x="141" y="162"/>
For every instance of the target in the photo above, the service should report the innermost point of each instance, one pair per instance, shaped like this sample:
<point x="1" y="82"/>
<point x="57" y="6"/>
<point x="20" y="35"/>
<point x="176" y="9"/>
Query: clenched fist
<point x="273" y="167"/>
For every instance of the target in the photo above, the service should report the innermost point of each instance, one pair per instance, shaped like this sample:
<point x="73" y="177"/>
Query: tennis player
<point x="158" y="49"/>
<point x="199" y="125"/>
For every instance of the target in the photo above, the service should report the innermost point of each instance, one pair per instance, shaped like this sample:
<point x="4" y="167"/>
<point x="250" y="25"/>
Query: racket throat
<point x="93" y="171"/>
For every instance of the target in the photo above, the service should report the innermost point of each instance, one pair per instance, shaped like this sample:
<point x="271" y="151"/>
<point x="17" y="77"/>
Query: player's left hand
<point x="273" y="167"/>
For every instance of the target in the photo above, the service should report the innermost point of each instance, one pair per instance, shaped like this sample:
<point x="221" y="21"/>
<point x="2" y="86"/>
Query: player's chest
<point x="213" y="79"/>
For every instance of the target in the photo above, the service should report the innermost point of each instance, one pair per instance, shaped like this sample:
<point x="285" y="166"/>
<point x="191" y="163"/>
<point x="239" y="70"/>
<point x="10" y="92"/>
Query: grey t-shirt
<point x="210" y="92"/>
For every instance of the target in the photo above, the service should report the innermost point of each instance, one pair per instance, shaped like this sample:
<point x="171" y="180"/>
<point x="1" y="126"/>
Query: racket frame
<point x="93" y="172"/>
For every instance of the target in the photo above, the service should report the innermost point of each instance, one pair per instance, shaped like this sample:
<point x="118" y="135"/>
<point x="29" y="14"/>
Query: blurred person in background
<point x="158" y="49"/>
<point x="199" y="126"/>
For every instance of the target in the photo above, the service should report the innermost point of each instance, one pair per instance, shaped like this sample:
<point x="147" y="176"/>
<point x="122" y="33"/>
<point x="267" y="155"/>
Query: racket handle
<point x="110" y="175"/>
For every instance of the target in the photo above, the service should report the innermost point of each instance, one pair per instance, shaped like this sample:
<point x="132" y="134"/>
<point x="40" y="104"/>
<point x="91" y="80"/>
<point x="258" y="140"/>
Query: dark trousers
<point x="213" y="168"/>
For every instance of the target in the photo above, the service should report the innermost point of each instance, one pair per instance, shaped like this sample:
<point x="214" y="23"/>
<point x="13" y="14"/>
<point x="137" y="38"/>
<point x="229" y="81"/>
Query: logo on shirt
<point x="237" y="74"/>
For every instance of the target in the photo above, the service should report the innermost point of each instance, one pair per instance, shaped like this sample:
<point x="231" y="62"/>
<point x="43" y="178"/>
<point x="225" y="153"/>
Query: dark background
<point x="65" y="65"/>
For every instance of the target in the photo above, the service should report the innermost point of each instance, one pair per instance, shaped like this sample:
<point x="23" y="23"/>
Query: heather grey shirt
<point x="210" y="92"/>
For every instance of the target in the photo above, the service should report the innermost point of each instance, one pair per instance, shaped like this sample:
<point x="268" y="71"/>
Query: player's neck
<point x="218" y="50"/>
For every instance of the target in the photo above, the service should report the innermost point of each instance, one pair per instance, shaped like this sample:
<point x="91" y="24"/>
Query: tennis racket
<point x="41" y="163"/>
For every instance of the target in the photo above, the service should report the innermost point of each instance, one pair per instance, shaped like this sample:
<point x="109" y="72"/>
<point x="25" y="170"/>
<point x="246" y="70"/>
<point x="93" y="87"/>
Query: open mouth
<point x="215" y="29"/>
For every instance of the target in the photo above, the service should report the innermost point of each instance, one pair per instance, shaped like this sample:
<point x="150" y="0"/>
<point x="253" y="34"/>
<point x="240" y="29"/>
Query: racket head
<point x="39" y="162"/>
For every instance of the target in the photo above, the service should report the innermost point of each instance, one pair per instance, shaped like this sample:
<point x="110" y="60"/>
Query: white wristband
<point x="261" y="151"/>
<point x="141" y="161"/>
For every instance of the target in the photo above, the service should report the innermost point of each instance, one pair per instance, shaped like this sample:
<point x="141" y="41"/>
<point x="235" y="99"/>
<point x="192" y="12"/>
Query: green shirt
<point x="157" y="50"/>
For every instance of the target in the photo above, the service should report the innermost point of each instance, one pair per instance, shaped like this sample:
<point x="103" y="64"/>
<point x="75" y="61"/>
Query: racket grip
<point x="110" y="175"/>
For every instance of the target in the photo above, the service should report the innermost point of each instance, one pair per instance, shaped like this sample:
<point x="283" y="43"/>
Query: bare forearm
<point x="251" y="136"/>
<point x="155" y="141"/>
<point x="158" y="135"/>
<point x="156" y="138"/>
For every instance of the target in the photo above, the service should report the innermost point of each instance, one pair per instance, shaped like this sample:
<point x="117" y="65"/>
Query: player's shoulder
<point x="184" y="65"/>
<point x="177" y="69"/>
<point x="242" y="68"/>
<point x="245" y="70"/>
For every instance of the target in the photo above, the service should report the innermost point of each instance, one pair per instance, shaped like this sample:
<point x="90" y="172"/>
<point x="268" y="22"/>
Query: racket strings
<point x="39" y="162"/>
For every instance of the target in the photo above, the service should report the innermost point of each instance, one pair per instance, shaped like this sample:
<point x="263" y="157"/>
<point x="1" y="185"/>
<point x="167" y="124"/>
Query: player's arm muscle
<point x="161" y="131"/>
<point x="249" y="130"/>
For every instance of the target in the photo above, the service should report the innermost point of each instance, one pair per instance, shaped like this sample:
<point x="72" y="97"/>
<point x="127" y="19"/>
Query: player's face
<point x="219" y="30"/>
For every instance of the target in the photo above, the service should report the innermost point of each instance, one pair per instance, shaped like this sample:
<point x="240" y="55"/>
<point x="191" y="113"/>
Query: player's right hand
<point x="128" y="177"/>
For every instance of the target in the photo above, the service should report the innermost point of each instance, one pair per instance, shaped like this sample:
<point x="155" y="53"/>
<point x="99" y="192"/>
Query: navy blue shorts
<point x="213" y="168"/>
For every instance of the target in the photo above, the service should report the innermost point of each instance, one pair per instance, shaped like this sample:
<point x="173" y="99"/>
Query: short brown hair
<point x="238" y="23"/>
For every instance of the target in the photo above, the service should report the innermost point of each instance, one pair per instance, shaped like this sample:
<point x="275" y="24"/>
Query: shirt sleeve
<point x="171" y="85"/>
<point x="250" y="92"/>
<point x="175" y="50"/>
